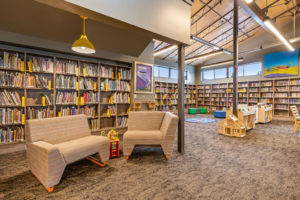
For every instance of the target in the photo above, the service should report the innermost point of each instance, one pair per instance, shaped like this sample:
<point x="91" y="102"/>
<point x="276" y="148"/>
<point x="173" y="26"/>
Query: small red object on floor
<point x="114" y="149"/>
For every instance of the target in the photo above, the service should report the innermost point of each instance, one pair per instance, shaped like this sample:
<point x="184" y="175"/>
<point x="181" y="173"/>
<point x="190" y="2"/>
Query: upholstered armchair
<point x="150" y="128"/>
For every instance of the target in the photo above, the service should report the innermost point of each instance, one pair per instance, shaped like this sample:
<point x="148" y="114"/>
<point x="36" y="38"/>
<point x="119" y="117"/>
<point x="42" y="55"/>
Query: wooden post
<point x="235" y="57"/>
<point x="181" y="98"/>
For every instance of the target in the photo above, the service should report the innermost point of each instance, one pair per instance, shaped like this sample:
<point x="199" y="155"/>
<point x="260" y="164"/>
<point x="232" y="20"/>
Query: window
<point x="164" y="72"/>
<point x="174" y="73"/>
<point x="252" y="69"/>
<point x="241" y="70"/>
<point x="156" y="71"/>
<point x="230" y="72"/>
<point x="221" y="73"/>
<point x="208" y="75"/>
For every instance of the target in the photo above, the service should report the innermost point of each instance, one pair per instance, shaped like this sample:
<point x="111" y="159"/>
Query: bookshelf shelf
<point x="69" y="81"/>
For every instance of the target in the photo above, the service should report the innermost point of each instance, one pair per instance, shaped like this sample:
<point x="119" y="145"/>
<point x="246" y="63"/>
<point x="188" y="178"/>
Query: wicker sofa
<point x="150" y="128"/>
<point x="55" y="142"/>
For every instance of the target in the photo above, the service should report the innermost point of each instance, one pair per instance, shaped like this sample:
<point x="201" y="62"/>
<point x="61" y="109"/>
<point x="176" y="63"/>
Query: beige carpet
<point x="263" y="165"/>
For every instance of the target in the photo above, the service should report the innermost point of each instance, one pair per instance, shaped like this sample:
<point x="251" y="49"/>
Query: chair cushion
<point x="143" y="137"/>
<point x="80" y="148"/>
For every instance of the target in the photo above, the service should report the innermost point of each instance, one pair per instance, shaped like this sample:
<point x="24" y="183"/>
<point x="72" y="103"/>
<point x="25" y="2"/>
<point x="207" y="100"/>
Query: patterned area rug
<point x="200" y="120"/>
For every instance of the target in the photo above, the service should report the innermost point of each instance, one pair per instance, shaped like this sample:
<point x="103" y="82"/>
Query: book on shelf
<point x="11" y="135"/>
<point x="89" y="70"/>
<point x="106" y="72"/>
<point x="36" y="81"/>
<point x="46" y="100"/>
<point x="11" y="61"/>
<point x="111" y="85"/>
<point x="295" y="82"/>
<point x="40" y="64"/>
<point x="111" y="110"/>
<point x="90" y="97"/>
<point x="66" y="98"/>
<point x="281" y="83"/>
<point x="124" y="74"/>
<point x="66" y="67"/>
<point x="94" y="124"/>
<point x="89" y="111"/>
<point x="122" y="121"/>
<point x="11" y="79"/>
<point x="41" y="113"/>
<point x="68" y="111"/>
<point x="65" y="82"/>
<point x="9" y="116"/>
<point x="8" y="98"/>
<point x="87" y="84"/>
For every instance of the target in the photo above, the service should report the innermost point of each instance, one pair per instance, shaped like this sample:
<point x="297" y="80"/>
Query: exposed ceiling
<point x="31" y="18"/>
<point x="212" y="20"/>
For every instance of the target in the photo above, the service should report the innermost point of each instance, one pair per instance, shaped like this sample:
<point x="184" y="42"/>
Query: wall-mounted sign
<point x="143" y="77"/>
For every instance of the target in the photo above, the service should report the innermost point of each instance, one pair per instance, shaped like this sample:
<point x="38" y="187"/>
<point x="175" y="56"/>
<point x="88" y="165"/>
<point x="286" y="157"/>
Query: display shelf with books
<point x="12" y="96"/>
<point x="38" y="86"/>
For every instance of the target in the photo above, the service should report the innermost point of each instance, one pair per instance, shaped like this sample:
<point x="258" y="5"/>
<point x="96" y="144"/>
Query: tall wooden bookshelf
<point x="35" y="86"/>
<point x="166" y="96"/>
<point x="280" y="93"/>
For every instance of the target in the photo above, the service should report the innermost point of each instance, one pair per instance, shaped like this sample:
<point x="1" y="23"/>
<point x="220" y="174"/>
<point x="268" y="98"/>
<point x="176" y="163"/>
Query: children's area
<point x="173" y="99"/>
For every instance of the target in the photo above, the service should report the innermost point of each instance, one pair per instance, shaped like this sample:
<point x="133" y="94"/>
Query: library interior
<point x="127" y="99"/>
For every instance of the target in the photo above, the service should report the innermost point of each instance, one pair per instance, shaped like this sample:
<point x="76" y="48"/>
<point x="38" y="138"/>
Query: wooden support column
<point x="235" y="56"/>
<point x="180" y="102"/>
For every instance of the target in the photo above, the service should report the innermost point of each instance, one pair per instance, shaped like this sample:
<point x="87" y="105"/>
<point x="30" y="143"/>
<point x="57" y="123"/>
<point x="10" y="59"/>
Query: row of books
<point x="122" y="121"/>
<point x="111" y="110"/>
<point x="35" y="81"/>
<point x="11" y="79"/>
<point x="121" y="97"/>
<point x="11" y="135"/>
<point x="90" y="70"/>
<point x="66" y="67"/>
<point x="9" y="98"/>
<point x="65" y="82"/>
<point x="87" y="84"/>
<point x="40" y="64"/>
<point x="90" y="111"/>
<point x="106" y="72"/>
<point x="10" y="116"/>
<point x="11" y="61"/>
<point x="40" y="113"/>
<point x="94" y="124"/>
<point x="111" y="85"/>
<point x="66" y="98"/>
<point x="67" y="111"/>
<point x="91" y="97"/>
<point x="124" y="74"/>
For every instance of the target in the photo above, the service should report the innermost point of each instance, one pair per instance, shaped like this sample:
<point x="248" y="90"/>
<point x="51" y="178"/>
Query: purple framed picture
<point x="143" y="77"/>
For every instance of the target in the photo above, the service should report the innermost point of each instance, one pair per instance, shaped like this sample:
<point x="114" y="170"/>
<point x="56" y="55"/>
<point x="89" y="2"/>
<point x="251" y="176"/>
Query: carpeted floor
<point x="263" y="165"/>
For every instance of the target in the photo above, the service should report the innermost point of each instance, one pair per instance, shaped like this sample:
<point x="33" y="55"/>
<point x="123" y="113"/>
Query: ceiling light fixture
<point x="249" y="1"/>
<point x="274" y="30"/>
<point x="203" y="56"/>
<point x="164" y="49"/>
<point x="215" y="47"/>
<point x="220" y="63"/>
<point x="83" y="45"/>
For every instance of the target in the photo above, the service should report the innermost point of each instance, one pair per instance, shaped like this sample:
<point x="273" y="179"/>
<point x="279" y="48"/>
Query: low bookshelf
<point x="45" y="84"/>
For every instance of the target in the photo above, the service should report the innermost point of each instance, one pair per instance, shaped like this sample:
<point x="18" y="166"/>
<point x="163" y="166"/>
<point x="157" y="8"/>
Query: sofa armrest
<point x="46" y="162"/>
<point x="169" y="126"/>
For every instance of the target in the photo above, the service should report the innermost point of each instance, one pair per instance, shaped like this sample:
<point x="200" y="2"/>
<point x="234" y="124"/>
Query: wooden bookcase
<point x="280" y="93"/>
<point x="166" y="96"/>
<point x="43" y="86"/>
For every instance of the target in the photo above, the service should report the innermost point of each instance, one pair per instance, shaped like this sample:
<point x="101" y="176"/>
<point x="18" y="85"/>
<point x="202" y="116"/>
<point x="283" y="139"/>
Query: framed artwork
<point x="143" y="77"/>
<point x="281" y="64"/>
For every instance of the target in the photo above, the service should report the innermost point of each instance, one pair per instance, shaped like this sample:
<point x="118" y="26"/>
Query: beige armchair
<point x="150" y="128"/>
<point x="55" y="142"/>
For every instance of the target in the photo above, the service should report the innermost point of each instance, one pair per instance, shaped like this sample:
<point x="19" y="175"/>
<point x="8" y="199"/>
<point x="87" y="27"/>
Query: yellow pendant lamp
<point x="83" y="45"/>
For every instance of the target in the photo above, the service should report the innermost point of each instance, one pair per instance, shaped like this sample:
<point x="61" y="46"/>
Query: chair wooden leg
<point x="50" y="189"/>
<point x="294" y="128"/>
<point x="96" y="162"/>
